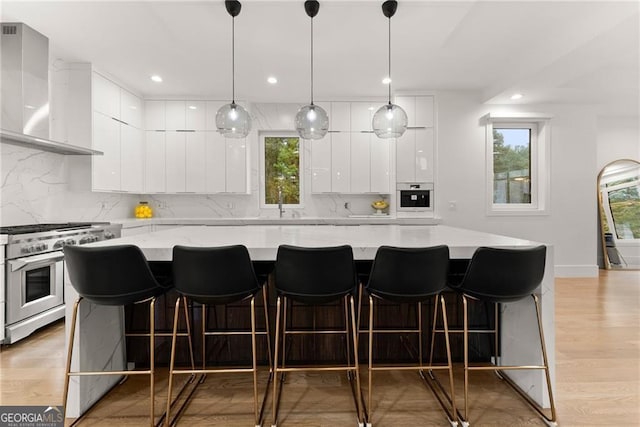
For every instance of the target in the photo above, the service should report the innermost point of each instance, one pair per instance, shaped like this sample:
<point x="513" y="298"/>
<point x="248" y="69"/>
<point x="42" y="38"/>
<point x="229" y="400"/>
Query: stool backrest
<point x="111" y="275"/>
<point x="409" y="271"/>
<point x="218" y="272"/>
<point x="315" y="275"/>
<point x="504" y="274"/>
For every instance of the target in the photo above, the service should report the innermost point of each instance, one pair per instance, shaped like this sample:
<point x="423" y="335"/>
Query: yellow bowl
<point x="380" y="204"/>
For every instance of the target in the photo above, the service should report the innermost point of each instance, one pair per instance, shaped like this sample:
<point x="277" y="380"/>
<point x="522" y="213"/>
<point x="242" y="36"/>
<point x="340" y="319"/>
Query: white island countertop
<point x="263" y="240"/>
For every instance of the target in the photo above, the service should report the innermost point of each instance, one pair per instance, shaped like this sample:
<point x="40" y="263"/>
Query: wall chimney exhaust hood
<point x="25" y="91"/>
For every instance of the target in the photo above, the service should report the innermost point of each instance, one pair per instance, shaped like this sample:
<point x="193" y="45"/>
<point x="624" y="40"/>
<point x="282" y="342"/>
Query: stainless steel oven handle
<point x="48" y="258"/>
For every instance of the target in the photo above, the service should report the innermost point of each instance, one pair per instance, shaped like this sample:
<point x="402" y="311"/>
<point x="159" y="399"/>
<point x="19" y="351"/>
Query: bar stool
<point x="502" y="276"/>
<point x="410" y="275"/>
<point x="115" y="276"/>
<point x="217" y="276"/>
<point x="315" y="276"/>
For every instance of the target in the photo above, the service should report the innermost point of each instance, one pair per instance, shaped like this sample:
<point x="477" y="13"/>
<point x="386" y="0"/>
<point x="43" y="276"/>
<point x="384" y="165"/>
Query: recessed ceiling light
<point x="156" y="78"/>
<point x="272" y="80"/>
<point x="193" y="107"/>
<point x="516" y="96"/>
<point x="386" y="81"/>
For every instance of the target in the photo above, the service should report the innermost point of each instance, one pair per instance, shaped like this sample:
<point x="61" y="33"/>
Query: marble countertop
<point x="263" y="240"/>
<point x="353" y="220"/>
<point x="3" y="239"/>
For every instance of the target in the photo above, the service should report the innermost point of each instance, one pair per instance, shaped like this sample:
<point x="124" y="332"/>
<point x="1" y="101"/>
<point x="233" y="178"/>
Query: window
<point x="281" y="165"/>
<point x="517" y="165"/>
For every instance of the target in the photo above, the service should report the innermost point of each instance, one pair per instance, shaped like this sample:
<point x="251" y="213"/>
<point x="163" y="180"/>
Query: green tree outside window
<point x="282" y="169"/>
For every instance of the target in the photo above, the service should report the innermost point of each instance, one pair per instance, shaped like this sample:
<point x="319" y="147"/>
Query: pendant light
<point x="390" y="121"/>
<point x="312" y="121"/>
<point x="232" y="120"/>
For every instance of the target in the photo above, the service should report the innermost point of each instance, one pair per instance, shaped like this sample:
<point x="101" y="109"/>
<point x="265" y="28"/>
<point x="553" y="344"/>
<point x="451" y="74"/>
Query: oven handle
<point x="20" y="263"/>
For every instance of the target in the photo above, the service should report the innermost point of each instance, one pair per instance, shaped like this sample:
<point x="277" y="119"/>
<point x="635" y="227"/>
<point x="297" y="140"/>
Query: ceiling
<point x="551" y="51"/>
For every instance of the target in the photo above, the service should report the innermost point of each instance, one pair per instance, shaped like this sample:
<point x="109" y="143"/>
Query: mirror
<point x="619" y="214"/>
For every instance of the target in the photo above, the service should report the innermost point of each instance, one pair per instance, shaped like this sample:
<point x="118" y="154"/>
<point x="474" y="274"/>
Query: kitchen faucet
<point x="280" y="202"/>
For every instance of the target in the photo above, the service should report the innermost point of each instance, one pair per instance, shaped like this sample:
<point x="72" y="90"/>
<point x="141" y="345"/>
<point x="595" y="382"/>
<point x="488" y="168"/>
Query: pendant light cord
<point x="312" y="61"/>
<point x="233" y="60"/>
<point x="389" y="60"/>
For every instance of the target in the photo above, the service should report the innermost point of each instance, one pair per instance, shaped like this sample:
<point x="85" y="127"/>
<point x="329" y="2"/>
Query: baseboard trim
<point x="576" y="271"/>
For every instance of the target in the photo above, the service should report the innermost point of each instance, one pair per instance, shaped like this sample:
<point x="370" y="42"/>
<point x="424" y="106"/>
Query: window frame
<point x="539" y="172"/>
<point x="262" y="168"/>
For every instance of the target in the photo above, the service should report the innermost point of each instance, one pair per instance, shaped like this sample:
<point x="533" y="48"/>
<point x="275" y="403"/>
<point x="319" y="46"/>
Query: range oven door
<point x="34" y="285"/>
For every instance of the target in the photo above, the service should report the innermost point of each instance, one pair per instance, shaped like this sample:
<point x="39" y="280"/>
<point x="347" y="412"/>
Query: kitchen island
<point x="100" y="337"/>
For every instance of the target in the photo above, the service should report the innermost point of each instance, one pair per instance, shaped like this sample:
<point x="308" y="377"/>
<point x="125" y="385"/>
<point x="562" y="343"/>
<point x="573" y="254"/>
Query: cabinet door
<point x="361" y="115"/>
<point x="131" y="159"/>
<point x="321" y="165"/>
<point x="176" y="162"/>
<point x="130" y="109"/>
<point x="424" y="111"/>
<point x="408" y="104"/>
<point x="340" y="162"/>
<point x="360" y="163"/>
<point x="155" y="167"/>
<point x="212" y="108"/>
<point x="424" y="155"/>
<point x="406" y="157"/>
<point x="216" y="167"/>
<point x="380" y="165"/>
<point x="175" y="115"/>
<point x="106" y="96"/>
<point x="236" y="173"/>
<point x="196" y="113"/>
<point x="154" y="115"/>
<point x="195" y="162"/>
<point x="106" y="168"/>
<point x="340" y="117"/>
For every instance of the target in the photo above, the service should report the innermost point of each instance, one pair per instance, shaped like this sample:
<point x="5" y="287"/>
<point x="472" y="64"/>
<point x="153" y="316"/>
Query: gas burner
<point x="39" y="228"/>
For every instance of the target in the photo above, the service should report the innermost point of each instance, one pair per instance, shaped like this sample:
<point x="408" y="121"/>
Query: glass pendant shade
<point x="390" y="121"/>
<point x="233" y="121"/>
<point x="312" y="122"/>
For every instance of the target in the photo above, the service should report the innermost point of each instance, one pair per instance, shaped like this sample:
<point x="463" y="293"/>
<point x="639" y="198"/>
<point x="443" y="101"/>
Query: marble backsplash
<point x="38" y="187"/>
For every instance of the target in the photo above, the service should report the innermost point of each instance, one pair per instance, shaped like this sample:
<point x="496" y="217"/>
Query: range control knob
<point x="69" y="242"/>
<point x="58" y="244"/>
<point x="27" y="249"/>
<point x="109" y="235"/>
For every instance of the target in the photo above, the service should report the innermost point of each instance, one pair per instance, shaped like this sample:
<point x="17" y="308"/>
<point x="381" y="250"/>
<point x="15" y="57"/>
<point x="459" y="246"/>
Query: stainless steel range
<point x="34" y="279"/>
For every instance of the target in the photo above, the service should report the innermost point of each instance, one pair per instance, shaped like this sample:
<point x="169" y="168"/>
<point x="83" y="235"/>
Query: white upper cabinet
<point x="341" y="162"/>
<point x="360" y="163"/>
<point x="361" y="115"/>
<point x="176" y="162"/>
<point x="196" y="162"/>
<point x="321" y="164"/>
<point x="106" y="96"/>
<point x="106" y="168"/>
<point x="130" y="109"/>
<point x="419" y="110"/>
<point x="380" y="165"/>
<point x="415" y="150"/>
<point x="155" y="162"/>
<point x="154" y="115"/>
<point x="175" y="115"/>
<point x="195" y="115"/>
<point x="340" y="117"/>
<point x="236" y="161"/>
<point x="215" y="162"/>
<point x="131" y="159"/>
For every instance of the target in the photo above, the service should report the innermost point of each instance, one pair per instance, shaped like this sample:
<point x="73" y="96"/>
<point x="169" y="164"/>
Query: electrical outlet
<point x="453" y="205"/>
<point x="230" y="205"/>
<point x="347" y="205"/>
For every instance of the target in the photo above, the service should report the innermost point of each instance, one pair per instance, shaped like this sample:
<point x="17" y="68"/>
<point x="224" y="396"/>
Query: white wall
<point x="572" y="213"/>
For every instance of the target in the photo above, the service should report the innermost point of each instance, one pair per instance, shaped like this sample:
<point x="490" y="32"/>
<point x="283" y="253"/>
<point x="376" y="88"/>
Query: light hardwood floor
<point x="598" y="377"/>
